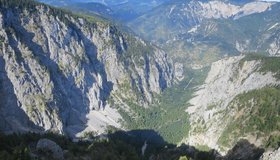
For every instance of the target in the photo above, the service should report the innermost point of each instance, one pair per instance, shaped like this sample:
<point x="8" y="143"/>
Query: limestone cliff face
<point x="55" y="68"/>
<point x="271" y="155"/>
<point x="213" y="108"/>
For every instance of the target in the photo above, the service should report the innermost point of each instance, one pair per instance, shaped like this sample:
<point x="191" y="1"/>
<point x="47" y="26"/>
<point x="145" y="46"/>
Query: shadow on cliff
<point x="157" y="148"/>
<point x="12" y="117"/>
<point x="71" y="101"/>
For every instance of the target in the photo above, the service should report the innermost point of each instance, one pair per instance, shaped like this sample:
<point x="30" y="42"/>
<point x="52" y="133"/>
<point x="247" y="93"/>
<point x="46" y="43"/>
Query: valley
<point x="167" y="115"/>
<point x="188" y="79"/>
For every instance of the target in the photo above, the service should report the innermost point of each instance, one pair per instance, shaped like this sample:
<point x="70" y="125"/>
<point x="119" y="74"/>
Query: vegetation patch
<point x="268" y="64"/>
<point x="260" y="117"/>
<point x="167" y="115"/>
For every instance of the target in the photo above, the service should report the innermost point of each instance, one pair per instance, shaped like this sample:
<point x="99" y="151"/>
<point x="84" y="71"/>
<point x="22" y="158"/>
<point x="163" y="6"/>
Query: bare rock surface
<point x="50" y="148"/>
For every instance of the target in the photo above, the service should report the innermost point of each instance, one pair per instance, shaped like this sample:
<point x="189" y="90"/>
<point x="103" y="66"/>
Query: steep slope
<point x="240" y="99"/>
<point x="58" y="71"/>
<point x="271" y="155"/>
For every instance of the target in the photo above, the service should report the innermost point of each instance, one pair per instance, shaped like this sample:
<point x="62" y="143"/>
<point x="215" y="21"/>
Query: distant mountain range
<point x="202" y="31"/>
<point x="124" y="10"/>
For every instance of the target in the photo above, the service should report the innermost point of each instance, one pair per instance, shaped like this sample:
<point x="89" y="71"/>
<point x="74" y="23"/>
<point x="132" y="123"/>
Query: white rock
<point x="271" y="155"/>
<point x="225" y="81"/>
<point x="60" y="76"/>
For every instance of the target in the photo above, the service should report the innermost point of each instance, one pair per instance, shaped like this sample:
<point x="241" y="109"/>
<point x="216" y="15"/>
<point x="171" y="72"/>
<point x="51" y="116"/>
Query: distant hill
<point x="124" y="10"/>
<point x="202" y="31"/>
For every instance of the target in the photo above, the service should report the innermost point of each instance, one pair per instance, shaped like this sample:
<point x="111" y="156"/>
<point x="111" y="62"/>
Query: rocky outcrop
<point x="50" y="148"/>
<point x="220" y="9"/>
<point x="210" y="112"/>
<point x="58" y="70"/>
<point x="243" y="150"/>
<point x="179" y="71"/>
<point x="274" y="47"/>
<point x="271" y="155"/>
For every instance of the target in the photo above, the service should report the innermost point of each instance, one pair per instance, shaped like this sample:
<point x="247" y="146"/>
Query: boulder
<point x="50" y="148"/>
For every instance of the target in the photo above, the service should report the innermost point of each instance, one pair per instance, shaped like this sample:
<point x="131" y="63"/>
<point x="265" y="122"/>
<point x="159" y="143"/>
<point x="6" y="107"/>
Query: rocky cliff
<point x="239" y="99"/>
<point x="63" y="73"/>
<point x="271" y="155"/>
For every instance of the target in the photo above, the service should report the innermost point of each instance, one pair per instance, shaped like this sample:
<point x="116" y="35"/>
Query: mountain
<point x="84" y="77"/>
<point x="201" y="32"/>
<point x="116" y="2"/>
<point x="66" y="74"/>
<point x="180" y="15"/>
<point x="92" y="8"/>
<point x="131" y="9"/>
<point x="239" y="99"/>
<point x="69" y="2"/>
<point x="125" y="10"/>
<point x="59" y="2"/>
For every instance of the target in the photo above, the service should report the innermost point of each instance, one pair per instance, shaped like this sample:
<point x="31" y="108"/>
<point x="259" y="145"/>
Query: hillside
<point x="239" y="99"/>
<point x="64" y="73"/>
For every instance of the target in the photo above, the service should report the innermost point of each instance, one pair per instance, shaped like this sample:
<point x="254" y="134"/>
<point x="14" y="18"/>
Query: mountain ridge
<point x="196" y="34"/>
<point x="85" y="77"/>
<point x="215" y="107"/>
<point x="52" y="54"/>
